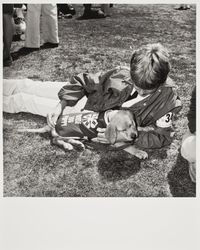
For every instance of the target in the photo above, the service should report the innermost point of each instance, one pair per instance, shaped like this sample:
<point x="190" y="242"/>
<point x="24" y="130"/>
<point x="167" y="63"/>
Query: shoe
<point x="66" y="9"/>
<point x="7" y="62"/>
<point x="68" y="16"/>
<point x="49" y="45"/>
<point x="183" y="7"/>
<point x="26" y="50"/>
<point x="61" y="15"/>
<point x="92" y="14"/>
<point x="70" y="10"/>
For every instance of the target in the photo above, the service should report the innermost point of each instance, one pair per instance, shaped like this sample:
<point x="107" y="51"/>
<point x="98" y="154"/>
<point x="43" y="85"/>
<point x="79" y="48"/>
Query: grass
<point x="34" y="167"/>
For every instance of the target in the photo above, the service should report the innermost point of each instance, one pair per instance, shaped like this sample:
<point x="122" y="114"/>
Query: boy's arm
<point x="52" y="117"/>
<point x="160" y="136"/>
<point x="79" y="85"/>
<point x="82" y="84"/>
<point x="150" y="137"/>
<point x="71" y="93"/>
<point x="86" y="83"/>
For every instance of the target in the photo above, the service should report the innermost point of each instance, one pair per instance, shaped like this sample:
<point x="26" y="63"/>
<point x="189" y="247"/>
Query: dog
<point x="70" y="129"/>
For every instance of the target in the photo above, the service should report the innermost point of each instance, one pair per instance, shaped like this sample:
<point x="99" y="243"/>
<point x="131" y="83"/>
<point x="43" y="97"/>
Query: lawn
<point x="35" y="168"/>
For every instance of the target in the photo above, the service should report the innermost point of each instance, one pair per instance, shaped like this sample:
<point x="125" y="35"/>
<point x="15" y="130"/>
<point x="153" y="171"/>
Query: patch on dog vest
<point x="90" y="120"/>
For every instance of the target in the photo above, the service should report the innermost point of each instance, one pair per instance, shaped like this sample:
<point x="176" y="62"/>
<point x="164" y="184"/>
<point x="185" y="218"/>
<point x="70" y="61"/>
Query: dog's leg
<point x="132" y="150"/>
<point x="65" y="145"/>
<point x="77" y="143"/>
<point x="137" y="152"/>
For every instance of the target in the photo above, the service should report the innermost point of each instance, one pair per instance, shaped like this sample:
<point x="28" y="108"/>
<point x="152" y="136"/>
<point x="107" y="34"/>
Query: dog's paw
<point x="141" y="154"/>
<point x="81" y="146"/>
<point x="67" y="146"/>
<point x="77" y="144"/>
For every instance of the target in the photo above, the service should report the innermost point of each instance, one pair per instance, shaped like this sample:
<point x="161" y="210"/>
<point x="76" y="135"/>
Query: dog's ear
<point x="111" y="133"/>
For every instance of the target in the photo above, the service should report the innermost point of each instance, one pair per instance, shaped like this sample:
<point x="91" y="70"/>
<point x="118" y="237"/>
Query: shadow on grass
<point x="114" y="166"/>
<point x="179" y="179"/>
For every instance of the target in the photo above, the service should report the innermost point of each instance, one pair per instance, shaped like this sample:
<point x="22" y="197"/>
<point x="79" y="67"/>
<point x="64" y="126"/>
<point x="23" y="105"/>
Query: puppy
<point x="70" y="128"/>
<point x="121" y="129"/>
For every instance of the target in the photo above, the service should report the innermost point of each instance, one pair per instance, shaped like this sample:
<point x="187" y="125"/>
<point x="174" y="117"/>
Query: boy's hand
<point x="52" y="119"/>
<point x="53" y="116"/>
<point x="101" y="136"/>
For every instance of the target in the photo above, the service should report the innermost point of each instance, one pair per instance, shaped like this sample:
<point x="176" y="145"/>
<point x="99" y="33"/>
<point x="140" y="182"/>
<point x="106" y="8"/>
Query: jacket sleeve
<point x="83" y="84"/>
<point x="158" y="138"/>
<point x="79" y="85"/>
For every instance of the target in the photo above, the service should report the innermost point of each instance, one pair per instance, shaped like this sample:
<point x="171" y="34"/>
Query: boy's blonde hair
<point x="149" y="66"/>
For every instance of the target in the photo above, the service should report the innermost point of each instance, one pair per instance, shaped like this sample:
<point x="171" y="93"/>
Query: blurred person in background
<point x="188" y="147"/>
<point x="41" y="22"/>
<point x="94" y="13"/>
<point x="8" y="31"/>
<point x="19" y="23"/>
<point x="65" y="10"/>
<point x="183" y="7"/>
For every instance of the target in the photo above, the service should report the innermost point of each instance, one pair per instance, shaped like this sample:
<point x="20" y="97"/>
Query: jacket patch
<point x="165" y="121"/>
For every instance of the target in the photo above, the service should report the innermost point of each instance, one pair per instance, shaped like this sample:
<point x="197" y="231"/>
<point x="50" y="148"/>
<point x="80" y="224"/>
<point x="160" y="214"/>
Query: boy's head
<point x="149" y="67"/>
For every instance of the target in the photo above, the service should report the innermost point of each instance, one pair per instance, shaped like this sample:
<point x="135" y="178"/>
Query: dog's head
<point x="122" y="127"/>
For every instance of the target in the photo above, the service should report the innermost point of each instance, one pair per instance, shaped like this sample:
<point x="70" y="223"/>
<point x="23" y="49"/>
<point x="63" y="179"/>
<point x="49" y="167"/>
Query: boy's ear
<point x="111" y="133"/>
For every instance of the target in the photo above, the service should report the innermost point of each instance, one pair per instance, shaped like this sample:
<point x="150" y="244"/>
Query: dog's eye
<point x="121" y="130"/>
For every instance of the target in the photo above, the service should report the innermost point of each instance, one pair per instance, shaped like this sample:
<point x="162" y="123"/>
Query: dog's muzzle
<point x="133" y="136"/>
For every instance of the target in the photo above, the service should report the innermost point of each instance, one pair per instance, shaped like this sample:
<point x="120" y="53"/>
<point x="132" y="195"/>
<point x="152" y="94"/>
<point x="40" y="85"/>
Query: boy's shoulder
<point x="169" y="84"/>
<point x="119" y="72"/>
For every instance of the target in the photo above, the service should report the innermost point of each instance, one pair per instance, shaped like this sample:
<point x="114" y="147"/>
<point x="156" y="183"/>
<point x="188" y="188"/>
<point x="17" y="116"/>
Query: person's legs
<point x="22" y="102"/>
<point x="38" y="88"/>
<point x="32" y="35"/>
<point x="87" y="8"/>
<point x="90" y="13"/>
<point x="106" y="9"/>
<point x="50" y="24"/>
<point x="36" y="97"/>
<point x="8" y="31"/>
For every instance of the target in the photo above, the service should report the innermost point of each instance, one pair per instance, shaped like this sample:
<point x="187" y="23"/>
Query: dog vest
<point x="80" y="124"/>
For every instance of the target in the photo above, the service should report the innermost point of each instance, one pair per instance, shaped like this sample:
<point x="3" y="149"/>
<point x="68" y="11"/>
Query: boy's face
<point x="144" y="92"/>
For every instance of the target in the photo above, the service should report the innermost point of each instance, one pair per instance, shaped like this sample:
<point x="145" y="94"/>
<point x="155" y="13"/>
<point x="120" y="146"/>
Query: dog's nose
<point x="133" y="136"/>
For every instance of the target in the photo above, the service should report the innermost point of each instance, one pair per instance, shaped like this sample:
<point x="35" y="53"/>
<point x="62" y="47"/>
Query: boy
<point x="145" y="90"/>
